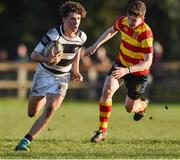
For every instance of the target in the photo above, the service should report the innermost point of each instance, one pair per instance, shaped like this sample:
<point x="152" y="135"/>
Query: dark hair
<point x="71" y="6"/>
<point x="137" y="8"/>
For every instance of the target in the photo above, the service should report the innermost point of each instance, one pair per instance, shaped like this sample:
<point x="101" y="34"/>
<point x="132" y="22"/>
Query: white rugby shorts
<point x="46" y="82"/>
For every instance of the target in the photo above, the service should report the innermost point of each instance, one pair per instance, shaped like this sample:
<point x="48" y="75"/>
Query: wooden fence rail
<point x="22" y="83"/>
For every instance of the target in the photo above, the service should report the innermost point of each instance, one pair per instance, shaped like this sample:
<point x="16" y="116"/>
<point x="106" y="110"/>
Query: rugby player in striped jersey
<point x="131" y="66"/>
<point x="50" y="81"/>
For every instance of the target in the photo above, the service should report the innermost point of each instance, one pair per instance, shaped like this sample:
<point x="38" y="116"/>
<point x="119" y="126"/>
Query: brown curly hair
<point x="71" y="6"/>
<point x="137" y="8"/>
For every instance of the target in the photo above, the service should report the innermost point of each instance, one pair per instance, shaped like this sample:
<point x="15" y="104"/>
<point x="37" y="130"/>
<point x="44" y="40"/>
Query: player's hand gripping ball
<point x="54" y="51"/>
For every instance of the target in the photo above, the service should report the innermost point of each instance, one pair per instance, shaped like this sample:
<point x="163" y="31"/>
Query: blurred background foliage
<point x="26" y="21"/>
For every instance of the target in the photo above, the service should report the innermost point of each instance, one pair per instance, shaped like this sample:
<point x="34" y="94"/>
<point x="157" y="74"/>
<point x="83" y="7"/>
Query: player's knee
<point x="107" y="94"/>
<point x="31" y="115"/>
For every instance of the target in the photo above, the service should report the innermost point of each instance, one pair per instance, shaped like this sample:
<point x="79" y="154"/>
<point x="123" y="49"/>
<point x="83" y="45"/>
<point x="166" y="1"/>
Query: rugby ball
<point x="57" y="46"/>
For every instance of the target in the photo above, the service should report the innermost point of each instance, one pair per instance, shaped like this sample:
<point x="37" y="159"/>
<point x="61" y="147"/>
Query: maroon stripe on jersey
<point x="144" y="35"/>
<point x="129" y="31"/>
<point x="105" y="108"/>
<point x="129" y="59"/>
<point x="103" y="119"/>
<point x="120" y="21"/>
<point x="137" y="49"/>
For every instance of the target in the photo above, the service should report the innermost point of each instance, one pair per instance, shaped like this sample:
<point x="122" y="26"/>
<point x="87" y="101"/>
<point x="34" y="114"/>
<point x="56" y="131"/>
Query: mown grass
<point x="67" y="135"/>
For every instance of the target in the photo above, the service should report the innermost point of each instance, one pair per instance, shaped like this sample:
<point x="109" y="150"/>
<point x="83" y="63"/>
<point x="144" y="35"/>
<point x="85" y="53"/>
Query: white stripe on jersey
<point x="71" y="47"/>
<point x="53" y="34"/>
<point x="68" y="56"/>
<point x="39" y="48"/>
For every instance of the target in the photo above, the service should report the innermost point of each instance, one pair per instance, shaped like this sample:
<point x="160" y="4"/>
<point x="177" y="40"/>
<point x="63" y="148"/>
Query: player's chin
<point x="75" y="29"/>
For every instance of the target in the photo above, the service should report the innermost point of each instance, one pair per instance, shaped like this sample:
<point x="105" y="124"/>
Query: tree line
<point x="24" y="21"/>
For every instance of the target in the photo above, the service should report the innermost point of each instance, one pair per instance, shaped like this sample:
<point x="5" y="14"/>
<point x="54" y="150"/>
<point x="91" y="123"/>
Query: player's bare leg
<point x="35" y="104"/>
<point x="105" y="107"/>
<point x="110" y="87"/>
<point x="137" y="106"/>
<point x="53" y="103"/>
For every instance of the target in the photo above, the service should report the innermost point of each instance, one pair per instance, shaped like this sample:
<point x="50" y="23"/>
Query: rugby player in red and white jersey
<point x="131" y="66"/>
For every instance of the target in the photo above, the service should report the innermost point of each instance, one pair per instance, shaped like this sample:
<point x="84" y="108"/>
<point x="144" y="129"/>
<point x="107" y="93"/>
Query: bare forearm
<point x="75" y="65"/>
<point x="143" y="64"/>
<point x="139" y="67"/>
<point x="108" y="34"/>
<point x="39" y="57"/>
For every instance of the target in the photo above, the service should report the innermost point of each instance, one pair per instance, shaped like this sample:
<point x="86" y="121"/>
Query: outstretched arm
<point x="75" y="68"/>
<point x="108" y="34"/>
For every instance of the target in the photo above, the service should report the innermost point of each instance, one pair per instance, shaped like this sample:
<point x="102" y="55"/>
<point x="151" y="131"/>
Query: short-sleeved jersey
<point x="135" y="43"/>
<point x="71" y="47"/>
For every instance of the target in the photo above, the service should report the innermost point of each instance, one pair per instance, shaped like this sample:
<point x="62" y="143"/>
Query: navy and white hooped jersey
<point x="71" y="47"/>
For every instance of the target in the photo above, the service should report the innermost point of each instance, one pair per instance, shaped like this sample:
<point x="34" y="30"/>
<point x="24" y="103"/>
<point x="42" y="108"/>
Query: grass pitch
<point x="156" y="136"/>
